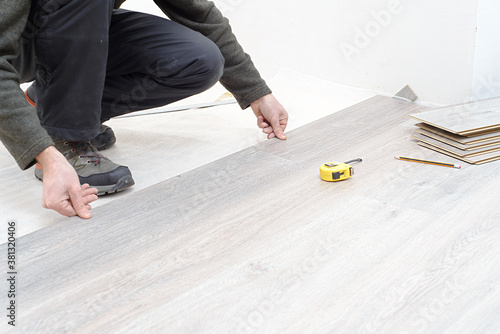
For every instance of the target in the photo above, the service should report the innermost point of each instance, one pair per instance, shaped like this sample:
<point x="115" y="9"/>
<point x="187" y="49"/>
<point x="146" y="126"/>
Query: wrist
<point x="259" y="100"/>
<point x="49" y="156"/>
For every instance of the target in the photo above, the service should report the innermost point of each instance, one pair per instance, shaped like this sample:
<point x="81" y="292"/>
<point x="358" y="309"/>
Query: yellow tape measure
<point x="337" y="171"/>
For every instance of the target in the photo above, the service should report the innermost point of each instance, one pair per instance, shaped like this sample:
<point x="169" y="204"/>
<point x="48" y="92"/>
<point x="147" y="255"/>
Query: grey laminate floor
<point x="255" y="242"/>
<point x="161" y="146"/>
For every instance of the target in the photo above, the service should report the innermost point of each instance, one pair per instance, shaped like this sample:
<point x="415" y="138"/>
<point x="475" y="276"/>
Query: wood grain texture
<point x="257" y="243"/>
<point x="477" y="139"/>
<point x="476" y="159"/>
<point x="465" y="147"/>
<point x="455" y="150"/>
<point x="464" y="119"/>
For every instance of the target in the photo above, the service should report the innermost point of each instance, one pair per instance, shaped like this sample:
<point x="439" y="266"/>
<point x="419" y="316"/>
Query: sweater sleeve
<point x="20" y="129"/>
<point x="240" y="75"/>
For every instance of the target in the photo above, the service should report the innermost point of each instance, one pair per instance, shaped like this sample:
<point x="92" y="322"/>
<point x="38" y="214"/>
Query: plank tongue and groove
<point x="476" y="140"/>
<point x="475" y="159"/>
<point x="455" y="150"/>
<point x="257" y="243"/>
<point x="456" y="144"/>
<point x="464" y="119"/>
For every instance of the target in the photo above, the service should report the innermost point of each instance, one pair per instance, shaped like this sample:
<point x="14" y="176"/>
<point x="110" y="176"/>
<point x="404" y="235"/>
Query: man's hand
<point x="62" y="191"/>
<point x="272" y="118"/>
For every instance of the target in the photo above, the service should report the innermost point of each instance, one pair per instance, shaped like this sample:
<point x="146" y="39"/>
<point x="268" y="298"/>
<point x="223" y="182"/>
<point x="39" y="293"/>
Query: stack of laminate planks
<point x="469" y="132"/>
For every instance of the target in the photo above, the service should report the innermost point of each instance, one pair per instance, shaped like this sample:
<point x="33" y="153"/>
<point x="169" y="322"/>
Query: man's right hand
<point x="62" y="191"/>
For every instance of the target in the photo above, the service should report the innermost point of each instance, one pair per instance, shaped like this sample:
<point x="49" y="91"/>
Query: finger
<point x="263" y="124"/>
<point x="267" y="130"/>
<point x="260" y="119"/>
<point x="66" y="211"/>
<point x="89" y="191"/>
<point x="284" y="123"/>
<point x="279" y="133"/>
<point x="89" y="194"/>
<point x="86" y="189"/>
<point x="89" y="199"/>
<point x="271" y="135"/>
<point x="61" y="207"/>
<point x="277" y="129"/>
<point x="78" y="203"/>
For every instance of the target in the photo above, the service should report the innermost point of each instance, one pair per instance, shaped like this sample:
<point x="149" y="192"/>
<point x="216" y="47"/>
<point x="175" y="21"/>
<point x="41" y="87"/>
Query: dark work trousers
<point x="92" y="63"/>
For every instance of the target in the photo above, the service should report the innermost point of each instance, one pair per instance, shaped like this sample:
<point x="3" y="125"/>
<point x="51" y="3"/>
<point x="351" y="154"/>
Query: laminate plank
<point x="464" y="119"/>
<point x="476" y="160"/>
<point x="465" y="147"/>
<point x="487" y="129"/>
<point x="257" y="243"/>
<point x="455" y="150"/>
<point x="479" y="138"/>
<point x="353" y="134"/>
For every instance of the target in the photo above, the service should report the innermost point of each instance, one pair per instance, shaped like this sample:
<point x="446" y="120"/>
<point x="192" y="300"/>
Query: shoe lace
<point x="88" y="151"/>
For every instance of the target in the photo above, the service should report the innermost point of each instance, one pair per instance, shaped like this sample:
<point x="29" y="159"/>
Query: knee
<point x="209" y="65"/>
<point x="199" y="68"/>
<point x="216" y="64"/>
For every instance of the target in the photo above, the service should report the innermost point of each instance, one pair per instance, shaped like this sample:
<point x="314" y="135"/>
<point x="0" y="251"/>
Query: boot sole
<point x="122" y="184"/>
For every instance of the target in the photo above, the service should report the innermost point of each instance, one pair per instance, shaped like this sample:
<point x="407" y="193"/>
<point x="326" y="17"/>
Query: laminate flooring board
<point x="455" y="150"/>
<point x="476" y="159"/>
<point x="464" y="119"/>
<point x="361" y="131"/>
<point x="465" y="147"/>
<point x="477" y="139"/>
<point x="257" y="243"/>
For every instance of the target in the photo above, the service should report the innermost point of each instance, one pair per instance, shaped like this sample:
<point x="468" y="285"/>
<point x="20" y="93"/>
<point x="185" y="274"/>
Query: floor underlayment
<point x="157" y="147"/>
<point x="256" y="242"/>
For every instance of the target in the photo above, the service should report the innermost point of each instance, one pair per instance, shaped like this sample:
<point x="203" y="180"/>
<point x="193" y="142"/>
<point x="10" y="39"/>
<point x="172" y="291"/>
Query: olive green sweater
<point x="20" y="129"/>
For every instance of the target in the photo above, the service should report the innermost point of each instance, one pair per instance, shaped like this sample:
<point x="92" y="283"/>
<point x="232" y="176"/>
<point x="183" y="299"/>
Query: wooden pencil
<point x="429" y="162"/>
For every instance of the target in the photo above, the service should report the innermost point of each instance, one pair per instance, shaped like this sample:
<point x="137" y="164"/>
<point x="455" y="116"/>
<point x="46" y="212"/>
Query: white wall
<point x="380" y="45"/>
<point x="428" y="44"/>
<point x="487" y="60"/>
<point x="146" y="6"/>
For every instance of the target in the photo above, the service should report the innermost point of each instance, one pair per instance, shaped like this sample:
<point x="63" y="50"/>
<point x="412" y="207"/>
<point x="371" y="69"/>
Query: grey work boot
<point x="106" y="137"/>
<point x="92" y="167"/>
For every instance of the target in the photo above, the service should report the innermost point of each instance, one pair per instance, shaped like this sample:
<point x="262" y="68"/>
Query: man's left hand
<point x="272" y="118"/>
